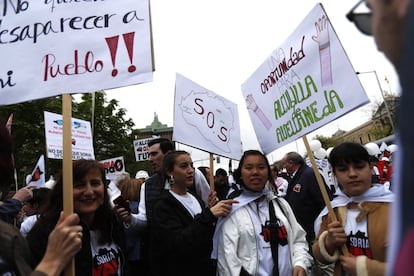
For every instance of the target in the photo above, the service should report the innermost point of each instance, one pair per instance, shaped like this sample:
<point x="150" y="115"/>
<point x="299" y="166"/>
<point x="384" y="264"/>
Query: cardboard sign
<point x="82" y="143"/>
<point x="307" y="82"/>
<point x="205" y="120"/>
<point x="114" y="167"/>
<point x="141" y="149"/>
<point x="55" y="47"/>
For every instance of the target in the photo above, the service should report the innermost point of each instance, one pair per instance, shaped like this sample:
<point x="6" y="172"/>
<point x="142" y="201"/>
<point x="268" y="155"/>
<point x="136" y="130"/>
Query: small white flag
<point x="37" y="178"/>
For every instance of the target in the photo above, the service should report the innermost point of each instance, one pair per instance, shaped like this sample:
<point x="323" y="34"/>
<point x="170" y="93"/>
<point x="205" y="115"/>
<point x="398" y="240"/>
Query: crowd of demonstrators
<point x="62" y="243"/>
<point x="130" y="192"/>
<point x="362" y="211"/>
<point x="261" y="236"/>
<point x="303" y="194"/>
<point x="183" y="226"/>
<point x="364" y="204"/>
<point x="103" y="241"/>
<point x="32" y="207"/>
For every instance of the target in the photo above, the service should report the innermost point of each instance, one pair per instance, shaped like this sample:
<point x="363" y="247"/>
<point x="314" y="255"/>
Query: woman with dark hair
<point x="103" y="241"/>
<point x="183" y="226"/>
<point x="63" y="242"/>
<point x="261" y="235"/>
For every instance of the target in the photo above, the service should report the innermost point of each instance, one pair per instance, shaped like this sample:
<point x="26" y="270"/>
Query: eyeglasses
<point x="361" y="20"/>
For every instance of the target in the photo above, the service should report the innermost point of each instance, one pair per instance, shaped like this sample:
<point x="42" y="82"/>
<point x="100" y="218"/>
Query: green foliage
<point x="326" y="142"/>
<point x="113" y="135"/>
<point x="380" y="132"/>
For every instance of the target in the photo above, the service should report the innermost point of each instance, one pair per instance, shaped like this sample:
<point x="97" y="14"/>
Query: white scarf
<point x="377" y="193"/>
<point x="244" y="198"/>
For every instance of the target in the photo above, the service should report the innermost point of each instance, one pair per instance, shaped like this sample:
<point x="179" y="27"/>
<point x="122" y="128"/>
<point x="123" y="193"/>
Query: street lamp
<point x="382" y="94"/>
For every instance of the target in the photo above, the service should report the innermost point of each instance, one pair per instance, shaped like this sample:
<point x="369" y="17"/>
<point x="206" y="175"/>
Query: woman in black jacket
<point x="103" y="240"/>
<point x="183" y="226"/>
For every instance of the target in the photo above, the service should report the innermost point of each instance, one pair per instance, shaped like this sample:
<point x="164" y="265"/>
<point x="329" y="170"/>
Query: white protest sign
<point x="56" y="47"/>
<point x="304" y="84"/>
<point x="82" y="143"/>
<point x="205" y="120"/>
<point x="141" y="149"/>
<point x="113" y="167"/>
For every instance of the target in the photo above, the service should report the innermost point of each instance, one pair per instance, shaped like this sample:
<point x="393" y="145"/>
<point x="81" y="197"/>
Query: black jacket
<point x="9" y="210"/>
<point x="305" y="198"/>
<point x="183" y="243"/>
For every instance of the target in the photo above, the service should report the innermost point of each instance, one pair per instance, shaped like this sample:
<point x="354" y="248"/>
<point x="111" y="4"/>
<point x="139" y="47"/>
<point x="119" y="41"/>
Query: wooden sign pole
<point x="322" y="186"/>
<point x="211" y="175"/>
<point x="67" y="167"/>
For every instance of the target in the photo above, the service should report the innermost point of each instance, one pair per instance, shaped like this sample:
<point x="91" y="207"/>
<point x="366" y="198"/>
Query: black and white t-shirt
<point x="106" y="257"/>
<point x="357" y="235"/>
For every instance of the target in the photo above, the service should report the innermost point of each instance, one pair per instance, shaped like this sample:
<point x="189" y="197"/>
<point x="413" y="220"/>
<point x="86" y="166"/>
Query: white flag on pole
<point x="37" y="178"/>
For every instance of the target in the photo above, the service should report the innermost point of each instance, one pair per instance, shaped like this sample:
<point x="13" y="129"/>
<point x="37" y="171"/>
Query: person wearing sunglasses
<point x="391" y="22"/>
<point x="385" y="20"/>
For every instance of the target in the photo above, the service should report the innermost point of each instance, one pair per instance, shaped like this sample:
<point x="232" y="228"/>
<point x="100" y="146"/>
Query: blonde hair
<point x="130" y="188"/>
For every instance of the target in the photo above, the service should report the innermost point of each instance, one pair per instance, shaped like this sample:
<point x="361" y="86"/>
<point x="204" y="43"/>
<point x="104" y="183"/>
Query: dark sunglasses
<point x="361" y="20"/>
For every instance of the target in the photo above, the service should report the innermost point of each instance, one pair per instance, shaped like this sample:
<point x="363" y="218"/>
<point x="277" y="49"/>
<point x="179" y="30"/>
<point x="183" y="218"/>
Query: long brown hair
<point x="130" y="187"/>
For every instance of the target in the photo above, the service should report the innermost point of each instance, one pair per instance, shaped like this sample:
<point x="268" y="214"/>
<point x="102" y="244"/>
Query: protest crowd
<point x="258" y="219"/>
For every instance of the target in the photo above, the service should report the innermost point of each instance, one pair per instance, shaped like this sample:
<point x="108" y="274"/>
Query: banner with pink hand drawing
<point x="53" y="47"/>
<point x="205" y="120"/>
<point x="306" y="82"/>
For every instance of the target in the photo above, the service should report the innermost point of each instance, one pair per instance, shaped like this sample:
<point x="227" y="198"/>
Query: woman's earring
<point x="171" y="180"/>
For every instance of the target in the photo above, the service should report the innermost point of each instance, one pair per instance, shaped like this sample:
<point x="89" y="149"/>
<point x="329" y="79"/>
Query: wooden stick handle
<point x="67" y="167"/>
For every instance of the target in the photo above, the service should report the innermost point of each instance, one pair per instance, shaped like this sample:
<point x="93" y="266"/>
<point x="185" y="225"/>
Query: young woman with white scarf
<point x="261" y="235"/>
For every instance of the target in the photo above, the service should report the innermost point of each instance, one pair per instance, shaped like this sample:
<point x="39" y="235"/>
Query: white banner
<point x="205" y="120"/>
<point x="55" y="47"/>
<point x="141" y="149"/>
<point x="114" y="167"/>
<point x="82" y="143"/>
<point x="304" y="84"/>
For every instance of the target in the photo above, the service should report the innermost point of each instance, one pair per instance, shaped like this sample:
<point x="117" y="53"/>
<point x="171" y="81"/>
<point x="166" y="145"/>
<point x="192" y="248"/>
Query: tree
<point x="326" y="142"/>
<point x="382" y="113"/>
<point x="113" y="134"/>
<point x="28" y="132"/>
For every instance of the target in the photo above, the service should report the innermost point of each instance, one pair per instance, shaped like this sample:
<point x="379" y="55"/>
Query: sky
<point x="219" y="44"/>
